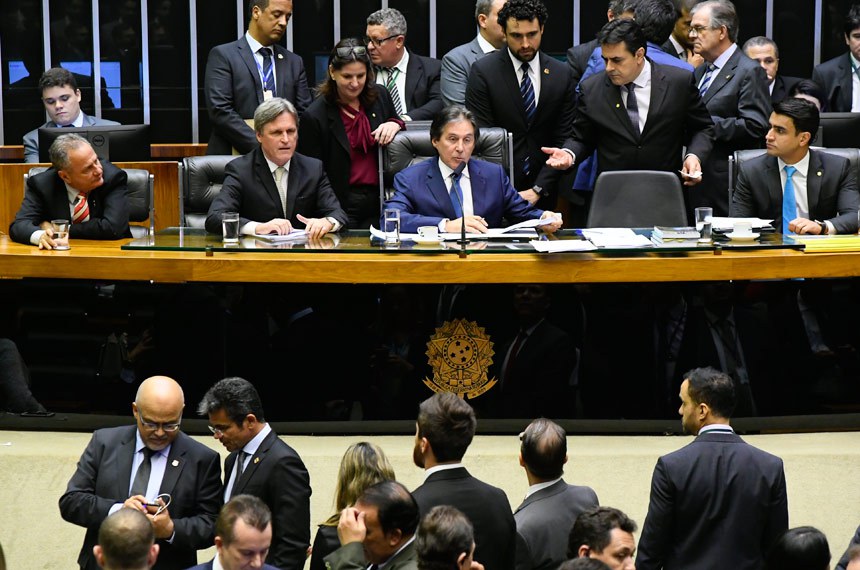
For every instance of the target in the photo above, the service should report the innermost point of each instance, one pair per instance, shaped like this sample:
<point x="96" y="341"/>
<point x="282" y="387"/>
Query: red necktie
<point x="81" y="213"/>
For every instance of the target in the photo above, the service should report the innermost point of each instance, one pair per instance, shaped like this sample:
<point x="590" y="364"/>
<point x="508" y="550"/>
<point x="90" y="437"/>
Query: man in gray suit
<point x="457" y="62"/>
<point x="62" y="100"/>
<point x="734" y="89"/>
<point x="545" y="517"/>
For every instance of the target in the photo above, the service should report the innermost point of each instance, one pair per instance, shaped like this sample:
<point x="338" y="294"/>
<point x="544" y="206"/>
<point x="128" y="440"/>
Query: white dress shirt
<point x="716" y="427"/>
<point x="643" y="93"/>
<point x="800" y="180"/>
<point x="486" y="46"/>
<point x="443" y="467"/>
<point x="258" y="57"/>
<point x="465" y="186"/>
<point x="250" y="449"/>
<point x="855" y="84"/>
<point x="534" y="73"/>
<point x="250" y="228"/>
<point x="400" y="82"/>
<point x="158" y="462"/>
<point x="540" y="486"/>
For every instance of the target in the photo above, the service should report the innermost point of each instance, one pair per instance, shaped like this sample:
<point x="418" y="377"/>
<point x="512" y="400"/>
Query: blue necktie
<point x="456" y="192"/>
<point x="633" y="107"/>
<point x="789" y="202"/>
<point x="268" y="74"/>
<point x="706" y="80"/>
<point x="529" y="103"/>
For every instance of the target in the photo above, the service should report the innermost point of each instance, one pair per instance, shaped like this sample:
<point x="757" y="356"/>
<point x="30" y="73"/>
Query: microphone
<point x="462" y="241"/>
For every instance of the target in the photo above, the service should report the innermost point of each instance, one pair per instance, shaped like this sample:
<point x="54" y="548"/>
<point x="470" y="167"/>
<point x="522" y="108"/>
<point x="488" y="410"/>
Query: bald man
<point x="126" y="542"/>
<point x="151" y="467"/>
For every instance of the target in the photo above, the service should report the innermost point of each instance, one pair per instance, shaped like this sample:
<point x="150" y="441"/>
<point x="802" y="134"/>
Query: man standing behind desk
<point x="273" y="187"/>
<point x="80" y="188"/>
<point x="134" y="467"/>
<point x="242" y="74"/>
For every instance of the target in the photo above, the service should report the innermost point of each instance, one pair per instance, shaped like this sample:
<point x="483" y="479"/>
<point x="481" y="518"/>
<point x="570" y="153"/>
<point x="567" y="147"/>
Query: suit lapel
<point x="60" y="199"/>
<point x="251" y="64"/>
<point x="617" y="106"/>
<point x="774" y="187"/>
<point x="436" y="187"/>
<point x="175" y="463"/>
<point x="550" y="491"/>
<point x="813" y="184"/>
<point x="336" y="126"/>
<point x="414" y="73"/>
<point x="547" y="84"/>
<point x="846" y="77"/>
<point x="478" y="182"/>
<point x="281" y="71"/>
<point x="268" y="181"/>
<point x="723" y="76"/>
<point x="658" y="96"/>
<point x="509" y="76"/>
<point x="295" y="178"/>
<point x="125" y="459"/>
<point x="253" y="463"/>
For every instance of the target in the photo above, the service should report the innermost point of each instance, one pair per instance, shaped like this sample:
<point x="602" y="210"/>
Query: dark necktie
<point x="633" y="107"/>
<point x="240" y="468"/>
<point x="455" y="193"/>
<point x="512" y="356"/>
<point x="391" y="85"/>
<point x="141" y="478"/>
<point x="268" y="73"/>
<point x="789" y="200"/>
<point x="706" y="80"/>
<point x="529" y="104"/>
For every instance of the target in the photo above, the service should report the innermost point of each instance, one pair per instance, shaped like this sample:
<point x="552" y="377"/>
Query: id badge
<point x="267" y="94"/>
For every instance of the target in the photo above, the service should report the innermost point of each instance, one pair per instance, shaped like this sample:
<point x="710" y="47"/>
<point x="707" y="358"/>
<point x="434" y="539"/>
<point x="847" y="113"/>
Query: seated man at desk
<point x="803" y="191"/>
<point x="455" y="190"/>
<point x="273" y="187"/>
<point x="62" y="100"/>
<point x="90" y="193"/>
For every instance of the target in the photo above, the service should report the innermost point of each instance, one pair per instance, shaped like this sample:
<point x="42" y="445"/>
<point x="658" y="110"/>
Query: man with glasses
<point x="153" y="468"/>
<point x="62" y="100"/>
<point x="412" y="80"/>
<point x="261" y="464"/>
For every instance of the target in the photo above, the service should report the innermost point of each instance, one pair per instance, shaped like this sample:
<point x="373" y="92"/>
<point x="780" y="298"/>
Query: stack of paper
<point x="616" y="238"/>
<point x="561" y="245"/>
<point x="728" y="224"/>
<point x="294" y="235"/>
<point x="824" y="244"/>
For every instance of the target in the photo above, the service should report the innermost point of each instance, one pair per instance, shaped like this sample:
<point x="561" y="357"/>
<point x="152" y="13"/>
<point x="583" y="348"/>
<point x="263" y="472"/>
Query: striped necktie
<point x="529" y="104"/>
<point x="268" y="73"/>
<point x="391" y="85"/>
<point x="706" y="79"/>
<point x="81" y="210"/>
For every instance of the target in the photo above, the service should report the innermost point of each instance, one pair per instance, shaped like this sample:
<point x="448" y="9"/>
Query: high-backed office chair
<point x="201" y="178"/>
<point x="637" y="199"/>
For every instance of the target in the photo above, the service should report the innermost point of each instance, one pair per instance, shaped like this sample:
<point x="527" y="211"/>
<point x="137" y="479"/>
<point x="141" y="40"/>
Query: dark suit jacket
<point x="423" y="93"/>
<point x="831" y="191"/>
<point x="233" y="91"/>
<point x="192" y="477"/>
<point x="326" y="541"/>
<point x="423" y="200"/>
<point x="782" y="86"/>
<point x="486" y="506"/>
<point x="544" y="521"/>
<point x="739" y="104"/>
<point x="350" y="556"/>
<point x="209" y="566"/>
<point x="249" y="189"/>
<point x="834" y="76"/>
<point x="322" y="135"/>
<point x="676" y="117"/>
<point x="493" y="95"/>
<point x="46" y="199"/>
<point x="277" y="475"/>
<point x="717" y="503"/>
<point x="844" y="561"/>
<point x="577" y="59"/>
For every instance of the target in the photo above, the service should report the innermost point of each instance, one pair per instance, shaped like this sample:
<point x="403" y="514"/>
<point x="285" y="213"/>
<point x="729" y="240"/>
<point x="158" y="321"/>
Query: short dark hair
<point x="811" y="88"/>
<point x="126" y="538"/>
<point x="623" y="30"/>
<point x="804" y="114"/>
<point x="396" y="507"/>
<point x="526" y="10"/>
<point x="761" y="41"/>
<point x="443" y="535"/>
<point x="593" y="528"/>
<point x="261" y="4"/>
<point x="801" y="548"/>
<point x="723" y="13"/>
<point x="583" y="564"/>
<point x="328" y="86"/>
<point x="252" y="510"/>
<point x="57" y="77"/>
<point x="657" y="19"/>
<point x="544" y="448"/>
<point x="236" y="396"/>
<point x="712" y="387"/>
<point x="448" y="422"/>
<point x="852" y="19"/>
<point x="483" y="7"/>
<point x="450" y="114"/>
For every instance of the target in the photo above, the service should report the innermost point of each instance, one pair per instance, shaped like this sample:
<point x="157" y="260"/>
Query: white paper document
<point x="616" y="238"/>
<point x="722" y="224"/>
<point x="562" y="245"/>
<point x="294" y="235"/>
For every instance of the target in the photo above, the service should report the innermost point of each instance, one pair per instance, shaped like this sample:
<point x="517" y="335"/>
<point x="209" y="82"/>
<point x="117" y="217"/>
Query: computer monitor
<point x="840" y="130"/>
<point x="116" y="143"/>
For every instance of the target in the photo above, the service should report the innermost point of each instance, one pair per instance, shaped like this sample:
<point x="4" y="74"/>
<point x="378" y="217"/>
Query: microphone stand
<point x="462" y="241"/>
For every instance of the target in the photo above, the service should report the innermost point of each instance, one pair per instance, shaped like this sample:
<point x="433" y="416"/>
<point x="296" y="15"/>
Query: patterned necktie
<point x="240" y="468"/>
<point x="280" y="182"/>
<point x="141" y="478"/>
<point x="391" y="85"/>
<point x="529" y="104"/>
<point x="789" y="201"/>
<point x="633" y="107"/>
<point x="455" y="193"/>
<point x="706" y="79"/>
<point x="268" y="72"/>
<point x="81" y="210"/>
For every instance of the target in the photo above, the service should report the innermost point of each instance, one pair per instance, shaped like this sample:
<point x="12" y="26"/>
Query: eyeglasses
<point x="153" y="426"/>
<point x="697" y="30"/>
<point x="351" y="51"/>
<point x="378" y="43"/>
<point x="217" y="430"/>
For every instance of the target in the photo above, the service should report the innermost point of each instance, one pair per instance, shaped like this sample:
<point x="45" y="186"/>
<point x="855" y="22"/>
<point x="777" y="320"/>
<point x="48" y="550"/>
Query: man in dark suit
<point x="446" y="540"/>
<point x="445" y="428"/>
<point x="261" y="464"/>
<point x="838" y="76"/>
<point x="90" y="193"/>
<point x="851" y="559"/>
<point x="126" y="542"/>
<point x="734" y="88"/>
<point x="154" y="468"/>
<point x="679" y="44"/>
<point x="243" y="533"/>
<point x="242" y="74"/>
<point x="604" y="534"/>
<point x="378" y="531"/>
<point x="273" y="187"/>
<point x="577" y="56"/>
<point x="426" y="193"/>
<point x="412" y="80"/>
<point x="718" y="502"/>
<point x="547" y="514"/>
<point x="824" y="198"/>
<point x="625" y="135"/>
<point x="457" y="62"/>
<point x="528" y="93"/>
<point x="766" y="53"/>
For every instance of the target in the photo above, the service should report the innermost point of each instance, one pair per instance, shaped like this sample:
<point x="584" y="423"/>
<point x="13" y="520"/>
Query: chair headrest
<point x="204" y="176"/>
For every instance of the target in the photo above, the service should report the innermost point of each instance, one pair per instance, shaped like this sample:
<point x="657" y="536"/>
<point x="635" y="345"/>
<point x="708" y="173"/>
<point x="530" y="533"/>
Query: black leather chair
<point x="637" y="199"/>
<point x="201" y="178"/>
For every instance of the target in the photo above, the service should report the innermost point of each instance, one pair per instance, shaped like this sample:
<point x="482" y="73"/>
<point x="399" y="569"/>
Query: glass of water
<point x="704" y="217"/>
<point x="230" y="227"/>
<point x="391" y="219"/>
<point x="61" y="234"/>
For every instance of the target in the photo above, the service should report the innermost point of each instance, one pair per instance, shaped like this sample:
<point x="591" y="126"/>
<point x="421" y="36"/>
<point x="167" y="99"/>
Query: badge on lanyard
<point x="267" y="94"/>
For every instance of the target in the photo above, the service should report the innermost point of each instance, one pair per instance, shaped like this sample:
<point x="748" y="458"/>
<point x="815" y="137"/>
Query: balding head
<point x="543" y="451"/>
<point x="158" y="411"/>
<point x="126" y="542"/>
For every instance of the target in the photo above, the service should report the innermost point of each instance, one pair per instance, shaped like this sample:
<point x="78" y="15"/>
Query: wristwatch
<point x="537" y="190"/>
<point x="823" y="227"/>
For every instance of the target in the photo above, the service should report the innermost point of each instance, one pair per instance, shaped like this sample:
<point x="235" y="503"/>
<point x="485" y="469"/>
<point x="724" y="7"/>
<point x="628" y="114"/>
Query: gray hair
<point x="60" y="148"/>
<point x="270" y="110"/>
<point x="761" y="41"/>
<point x="723" y="13"/>
<point x="391" y="19"/>
<point x="483" y="7"/>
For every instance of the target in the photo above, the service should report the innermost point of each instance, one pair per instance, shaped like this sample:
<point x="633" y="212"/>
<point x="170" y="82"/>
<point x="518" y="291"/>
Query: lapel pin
<point x="546" y="71"/>
<point x="373" y="115"/>
<point x="818" y="173"/>
<point x="618" y="105"/>
<point x="280" y="56"/>
<point x="175" y="463"/>
<point x="256" y="460"/>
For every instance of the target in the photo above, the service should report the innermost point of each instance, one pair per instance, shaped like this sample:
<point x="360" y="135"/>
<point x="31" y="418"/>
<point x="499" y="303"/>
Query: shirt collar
<point x="644" y="77"/>
<point x="716" y="427"/>
<point x="403" y="63"/>
<point x="216" y="562"/>
<point x="534" y="64"/>
<point x="447" y="170"/>
<point x="139" y="445"/>
<point x="443" y="467"/>
<point x="252" y="446"/>
<point x="273" y="167"/>
<point x="801" y="165"/>
<point x="485" y="46"/>
<point x="399" y="550"/>
<point x="71" y="193"/>
<point x="255" y="45"/>
<point x="540" y="486"/>
<point x="720" y="62"/>
<point x="854" y="63"/>
<point x="679" y="49"/>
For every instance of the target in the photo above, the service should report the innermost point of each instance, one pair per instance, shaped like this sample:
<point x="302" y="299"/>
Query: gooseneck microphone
<point x="458" y="172"/>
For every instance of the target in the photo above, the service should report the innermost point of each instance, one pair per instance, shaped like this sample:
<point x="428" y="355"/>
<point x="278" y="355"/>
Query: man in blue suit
<point x="426" y="193"/>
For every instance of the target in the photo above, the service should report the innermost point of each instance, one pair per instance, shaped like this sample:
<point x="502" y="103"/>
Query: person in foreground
<point x="90" y="193"/>
<point x="803" y="191"/>
<point x="455" y="190"/>
<point x="604" y="534"/>
<point x="126" y="542"/>
<point x="137" y="467"/>
<point x="273" y="187"/>
<point x="446" y="541"/>
<point x="243" y="534"/>
<point x="801" y="548"/>
<point x="718" y="502"/>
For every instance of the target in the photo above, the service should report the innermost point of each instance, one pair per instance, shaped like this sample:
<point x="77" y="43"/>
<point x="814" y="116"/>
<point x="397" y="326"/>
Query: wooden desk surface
<point x="105" y="260"/>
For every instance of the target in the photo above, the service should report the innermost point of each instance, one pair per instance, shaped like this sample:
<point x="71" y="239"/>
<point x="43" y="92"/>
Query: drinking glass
<point x="704" y="217"/>
<point x="230" y="227"/>
<point x="391" y="227"/>
<point x="61" y="234"/>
